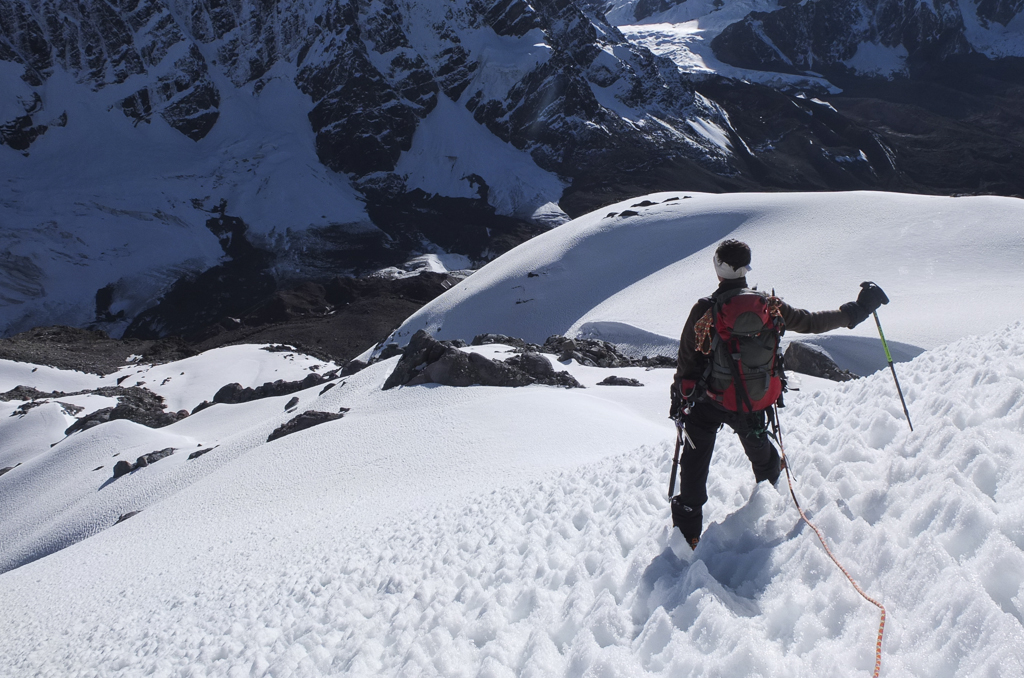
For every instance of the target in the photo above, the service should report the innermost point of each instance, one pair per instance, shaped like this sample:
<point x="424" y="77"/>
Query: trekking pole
<point x="888" y="356"/>
<point x="675" y="463"/>
<point x="680" y="435"/>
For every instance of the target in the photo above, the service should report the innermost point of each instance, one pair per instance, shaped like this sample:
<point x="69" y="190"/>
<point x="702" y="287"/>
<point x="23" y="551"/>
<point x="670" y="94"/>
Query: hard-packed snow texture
<point x="573" y="572"/>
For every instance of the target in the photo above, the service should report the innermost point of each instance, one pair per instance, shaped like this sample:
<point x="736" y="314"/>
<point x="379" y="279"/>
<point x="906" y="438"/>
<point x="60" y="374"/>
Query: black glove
<point x="677" y="410"/>
<point x="870" y="298"/>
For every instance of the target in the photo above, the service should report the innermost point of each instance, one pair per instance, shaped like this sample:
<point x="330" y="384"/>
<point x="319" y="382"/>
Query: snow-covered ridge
<point x="633" y="270"/>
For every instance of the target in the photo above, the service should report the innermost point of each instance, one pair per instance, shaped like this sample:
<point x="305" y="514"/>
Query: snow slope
<point x="493" y="532"/>
<point x="633" y="279"/>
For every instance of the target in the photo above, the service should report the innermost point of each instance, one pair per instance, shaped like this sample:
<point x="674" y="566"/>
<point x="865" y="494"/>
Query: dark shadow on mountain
<point x="460" y="225"/>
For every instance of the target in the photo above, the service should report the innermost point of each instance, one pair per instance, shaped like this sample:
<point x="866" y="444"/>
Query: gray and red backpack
<point x="740" y="336"/>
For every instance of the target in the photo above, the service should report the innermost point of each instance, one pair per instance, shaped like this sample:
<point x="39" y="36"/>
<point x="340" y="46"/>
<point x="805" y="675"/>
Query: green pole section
<point x="888" y="356"/>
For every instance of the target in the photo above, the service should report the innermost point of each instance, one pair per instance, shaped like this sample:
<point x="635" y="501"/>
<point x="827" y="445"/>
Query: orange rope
<point x="703" y="331"/>
<point x="821" y="538"/>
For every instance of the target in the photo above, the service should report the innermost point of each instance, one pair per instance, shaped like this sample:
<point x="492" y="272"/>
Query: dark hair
<point x="734" y="253"/>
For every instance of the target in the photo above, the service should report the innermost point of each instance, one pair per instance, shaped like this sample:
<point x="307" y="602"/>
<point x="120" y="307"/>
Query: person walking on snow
<point x="728" y="373"/>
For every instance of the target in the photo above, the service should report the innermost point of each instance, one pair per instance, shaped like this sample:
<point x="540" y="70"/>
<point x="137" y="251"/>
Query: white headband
<point x="727" y="272"/>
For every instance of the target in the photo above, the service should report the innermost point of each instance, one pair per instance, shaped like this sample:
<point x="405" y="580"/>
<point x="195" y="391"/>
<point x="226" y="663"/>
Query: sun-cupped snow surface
<point x="488" y="531"/>
<point x="642" y="263"/>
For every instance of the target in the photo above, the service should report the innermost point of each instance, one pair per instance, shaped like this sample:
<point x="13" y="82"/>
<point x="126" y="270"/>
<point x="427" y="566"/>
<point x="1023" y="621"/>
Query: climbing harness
<point x="777" y="435"/>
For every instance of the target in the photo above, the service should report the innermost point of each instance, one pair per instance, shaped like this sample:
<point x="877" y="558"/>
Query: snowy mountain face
<point x="445" y="531"/>
<point x="842" y="36"/>
<point x="884" y="38"/>
<point x="344" y="136"/>
<point x="901" y="95"/>
<point x="151" y="151"/>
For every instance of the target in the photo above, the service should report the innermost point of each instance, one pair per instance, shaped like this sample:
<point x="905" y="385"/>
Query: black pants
<point x="702" y="425"/>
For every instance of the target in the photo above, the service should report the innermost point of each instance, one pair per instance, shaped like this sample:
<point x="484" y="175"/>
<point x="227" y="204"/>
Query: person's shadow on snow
<point x="732" y="562"/>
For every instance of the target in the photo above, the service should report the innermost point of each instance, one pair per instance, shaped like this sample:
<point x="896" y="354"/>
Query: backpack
<point x="740" y="335"/>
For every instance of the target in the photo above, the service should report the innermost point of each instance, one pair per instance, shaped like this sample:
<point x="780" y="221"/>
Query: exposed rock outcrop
<point x="72" y="348"/>
<point x="199" y="453"/>
<point x="428" y="361"/>
<point x="590" y="352"/>
<point x="139" y="405"/>
<point x="811" y="360"/>
<point x="125" y="467"/>
<point x="234" y="393"/>
<point x="597" y="353"/>
<point x="126" y="516"/>
<point x="307" y="419"/>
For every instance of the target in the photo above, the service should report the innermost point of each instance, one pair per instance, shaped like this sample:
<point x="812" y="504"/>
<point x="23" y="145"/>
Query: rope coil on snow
<point x="821" y="538"/>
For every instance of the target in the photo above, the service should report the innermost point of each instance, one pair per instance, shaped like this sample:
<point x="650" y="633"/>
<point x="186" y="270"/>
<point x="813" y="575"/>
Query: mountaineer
<point x="729" y="371"/>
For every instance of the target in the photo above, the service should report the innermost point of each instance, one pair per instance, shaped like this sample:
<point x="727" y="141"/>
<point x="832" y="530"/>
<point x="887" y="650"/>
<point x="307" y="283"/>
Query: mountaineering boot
<point x="688" y="519"/>
<point x="778" y="485"/>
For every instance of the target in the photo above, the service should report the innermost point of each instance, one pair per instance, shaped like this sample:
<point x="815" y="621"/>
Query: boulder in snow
<point x="122" y="468"/>
<point x="126" y="516"/>
<point x="307" y="419"/>
<point x="233" y="393"/>
<point x="619" y="381"/>
<point x="135" y="404"/>
<point x="153" y="457"/>
<point x="811" y="360"/>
